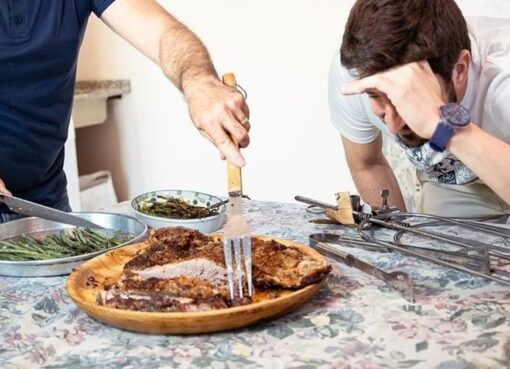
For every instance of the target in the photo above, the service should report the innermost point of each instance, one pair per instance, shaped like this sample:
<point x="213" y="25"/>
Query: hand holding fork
<point x="236" y="236"/>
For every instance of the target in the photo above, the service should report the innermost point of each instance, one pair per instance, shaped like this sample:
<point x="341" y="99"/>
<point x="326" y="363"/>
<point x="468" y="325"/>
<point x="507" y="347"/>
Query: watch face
<point x="455" y="114"/>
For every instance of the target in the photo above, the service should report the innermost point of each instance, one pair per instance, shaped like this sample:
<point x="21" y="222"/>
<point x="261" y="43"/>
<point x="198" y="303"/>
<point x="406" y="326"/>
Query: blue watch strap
<point x="441" y="136"/>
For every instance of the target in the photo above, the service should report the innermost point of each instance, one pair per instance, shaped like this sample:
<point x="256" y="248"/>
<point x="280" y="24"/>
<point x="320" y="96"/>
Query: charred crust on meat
<point x="175" y="244"/>
<point x="275" y="267"/>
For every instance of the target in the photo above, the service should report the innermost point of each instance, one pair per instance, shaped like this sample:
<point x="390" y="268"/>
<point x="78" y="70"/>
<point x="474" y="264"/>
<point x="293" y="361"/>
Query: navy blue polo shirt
<point x="39" y="43"/>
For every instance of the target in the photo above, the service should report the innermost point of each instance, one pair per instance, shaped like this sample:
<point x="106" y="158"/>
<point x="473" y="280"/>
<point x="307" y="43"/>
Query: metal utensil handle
<point x="419" y="255"/>
<point x="320" y="204"/>
<point x="400" y="281"/>
<point x="235" y="183"/>
<point x="499" y="251"/>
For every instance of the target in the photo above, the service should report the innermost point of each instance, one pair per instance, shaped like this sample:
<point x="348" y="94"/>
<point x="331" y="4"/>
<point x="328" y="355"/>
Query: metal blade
<point x="235" y="226"/>
<point x="400" y="281"/>
<point x="238" y="270"/>
<point x="29" y="208"/>
<point x="227" y="251"/>
<point x="247" y="263"/>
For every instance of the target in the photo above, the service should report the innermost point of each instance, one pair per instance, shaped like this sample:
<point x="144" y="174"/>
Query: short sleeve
<point x="346" y="112"/>
<point x="99" y="6"/>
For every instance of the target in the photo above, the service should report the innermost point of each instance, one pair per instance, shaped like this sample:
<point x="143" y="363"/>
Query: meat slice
<point x="184" y="270"/>
<point x="279" y="266"/>
<point x="170" y="295"/>
<point x="179" y="251"/>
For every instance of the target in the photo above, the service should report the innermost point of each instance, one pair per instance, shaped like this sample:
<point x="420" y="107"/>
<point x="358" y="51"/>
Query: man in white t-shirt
<point x="414" y="70"/>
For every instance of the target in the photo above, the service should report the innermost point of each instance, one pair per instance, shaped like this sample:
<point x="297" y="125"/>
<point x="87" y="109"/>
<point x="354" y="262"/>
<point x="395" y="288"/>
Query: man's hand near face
<point x="413" y="89"/>
<point x="417" y="93"/>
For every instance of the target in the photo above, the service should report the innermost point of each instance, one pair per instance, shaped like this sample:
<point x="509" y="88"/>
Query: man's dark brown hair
<point x="381" y="34"/>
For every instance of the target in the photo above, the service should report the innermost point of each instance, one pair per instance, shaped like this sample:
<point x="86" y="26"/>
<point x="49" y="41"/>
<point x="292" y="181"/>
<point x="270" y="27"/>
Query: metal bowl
<point x="204" y="225"/>
<point x="33" y="226"/>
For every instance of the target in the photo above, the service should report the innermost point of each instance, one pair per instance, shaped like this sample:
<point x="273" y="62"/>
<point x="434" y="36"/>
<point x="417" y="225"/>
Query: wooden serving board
<point x="87" y="280"/>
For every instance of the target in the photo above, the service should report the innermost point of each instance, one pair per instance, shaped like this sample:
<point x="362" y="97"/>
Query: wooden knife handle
<point x="235" y="184"/>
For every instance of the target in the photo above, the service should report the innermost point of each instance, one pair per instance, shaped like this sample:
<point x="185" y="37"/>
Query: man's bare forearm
<point x="371" y="172"/>
<point x="163" y="38"/>
<point x="370" y="181"/>
<point x="218" y="111"/>
<point x="485" y="155"/>
<point x="183" y="57"/>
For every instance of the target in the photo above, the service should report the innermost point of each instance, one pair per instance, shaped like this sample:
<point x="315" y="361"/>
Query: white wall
<point x="280" y="52"/>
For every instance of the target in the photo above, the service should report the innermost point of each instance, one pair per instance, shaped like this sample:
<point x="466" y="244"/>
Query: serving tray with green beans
<point x="68" y="242"/>
<point x="35" y="247"/>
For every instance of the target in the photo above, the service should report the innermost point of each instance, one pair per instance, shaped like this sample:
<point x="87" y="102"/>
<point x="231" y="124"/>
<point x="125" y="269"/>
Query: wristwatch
<point x="453" y="117"/>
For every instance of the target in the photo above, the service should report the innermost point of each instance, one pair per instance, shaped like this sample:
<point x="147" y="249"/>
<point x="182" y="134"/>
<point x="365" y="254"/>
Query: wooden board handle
<point x="344" y="213"/>
<point x="235" y="184"/>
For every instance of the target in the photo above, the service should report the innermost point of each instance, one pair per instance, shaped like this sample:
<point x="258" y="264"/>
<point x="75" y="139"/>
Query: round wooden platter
<point x="87" y="280"/>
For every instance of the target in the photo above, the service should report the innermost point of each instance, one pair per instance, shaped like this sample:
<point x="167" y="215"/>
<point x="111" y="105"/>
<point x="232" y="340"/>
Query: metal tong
<point x="471" y="256"/>
<point x="478" y="248"/>
<point x="400" y="281"/>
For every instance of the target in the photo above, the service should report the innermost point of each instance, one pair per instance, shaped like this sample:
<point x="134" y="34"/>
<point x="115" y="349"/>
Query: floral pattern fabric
<point x="355" y="321"/>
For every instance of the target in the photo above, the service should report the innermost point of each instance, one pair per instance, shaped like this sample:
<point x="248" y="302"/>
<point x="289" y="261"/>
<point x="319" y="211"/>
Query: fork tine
<point x="238" y="270"/>
<point x="227" y="250"/>
<point x="247" y="262"/>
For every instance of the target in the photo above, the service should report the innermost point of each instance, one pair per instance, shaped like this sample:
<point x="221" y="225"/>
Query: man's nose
<point x="392" y="119"/>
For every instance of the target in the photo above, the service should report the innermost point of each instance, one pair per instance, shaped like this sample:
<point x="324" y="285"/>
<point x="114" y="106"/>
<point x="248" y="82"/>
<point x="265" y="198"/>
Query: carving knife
<point x="30" y="208"/>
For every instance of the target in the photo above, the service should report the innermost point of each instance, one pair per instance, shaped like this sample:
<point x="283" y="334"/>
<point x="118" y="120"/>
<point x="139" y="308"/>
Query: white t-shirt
<point x="487" y="98"/>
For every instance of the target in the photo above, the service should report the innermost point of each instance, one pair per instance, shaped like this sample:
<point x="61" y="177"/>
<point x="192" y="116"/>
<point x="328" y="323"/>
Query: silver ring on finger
<point x="242" y="91"/>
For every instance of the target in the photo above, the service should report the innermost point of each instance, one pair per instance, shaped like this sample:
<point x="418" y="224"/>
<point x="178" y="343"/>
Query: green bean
<point x="176" y="208"/>
<point x="69" y="242"/>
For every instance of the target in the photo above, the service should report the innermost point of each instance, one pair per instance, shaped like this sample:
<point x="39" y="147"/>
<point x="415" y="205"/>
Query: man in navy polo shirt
<point x="39" y="44"/>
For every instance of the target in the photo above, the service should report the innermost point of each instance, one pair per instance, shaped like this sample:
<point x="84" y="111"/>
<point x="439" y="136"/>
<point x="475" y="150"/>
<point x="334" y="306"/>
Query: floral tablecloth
<point x="355" y="321"/>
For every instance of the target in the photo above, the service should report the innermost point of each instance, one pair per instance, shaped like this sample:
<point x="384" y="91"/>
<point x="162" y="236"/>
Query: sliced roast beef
<point x="174" y="294"/>
<point x="184" y="270"/>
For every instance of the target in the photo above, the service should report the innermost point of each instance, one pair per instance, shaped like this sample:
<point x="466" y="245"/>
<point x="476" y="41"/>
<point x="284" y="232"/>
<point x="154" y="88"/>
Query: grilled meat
<point x="280" y="266"/>
<point x="174" y="294"/>
<point x="184" y="270"/>
<point x="177" y="252"/>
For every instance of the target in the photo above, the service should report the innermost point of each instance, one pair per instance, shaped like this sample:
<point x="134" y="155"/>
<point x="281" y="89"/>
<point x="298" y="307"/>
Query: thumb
<point x="4" y="190"/>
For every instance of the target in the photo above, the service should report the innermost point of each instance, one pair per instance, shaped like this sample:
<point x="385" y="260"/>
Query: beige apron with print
<point x="473" y="200"/>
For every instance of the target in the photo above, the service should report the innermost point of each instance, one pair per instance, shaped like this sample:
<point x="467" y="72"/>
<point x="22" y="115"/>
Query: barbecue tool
<point x="475" y="248"/>
<point x="424" y="256"/>
<point x="471" y="256"/>
<point x="400" y="281"/>
<point x="358" y="211"/>
<point x="237" y="232"/>
<point x="29" y="208"/>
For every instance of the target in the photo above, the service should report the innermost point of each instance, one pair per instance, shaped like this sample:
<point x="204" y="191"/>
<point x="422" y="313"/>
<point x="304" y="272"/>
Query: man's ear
<point x="460" y="70"/>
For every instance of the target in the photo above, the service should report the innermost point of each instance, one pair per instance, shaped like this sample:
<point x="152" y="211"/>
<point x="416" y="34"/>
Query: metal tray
<point x="53" y="267"/>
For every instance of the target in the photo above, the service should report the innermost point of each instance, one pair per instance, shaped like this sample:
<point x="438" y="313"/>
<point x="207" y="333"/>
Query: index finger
<point x="228" y="148"/>
<point x="360" y="86"/>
